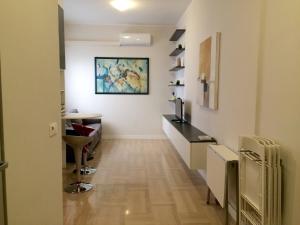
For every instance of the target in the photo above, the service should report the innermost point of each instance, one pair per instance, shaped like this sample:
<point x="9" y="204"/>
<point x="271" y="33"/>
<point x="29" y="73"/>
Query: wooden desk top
<point x="72" y="116"/>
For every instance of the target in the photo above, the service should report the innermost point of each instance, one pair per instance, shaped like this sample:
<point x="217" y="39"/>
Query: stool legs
<point x="78" y="186"/>
<point x="86" y="170"/>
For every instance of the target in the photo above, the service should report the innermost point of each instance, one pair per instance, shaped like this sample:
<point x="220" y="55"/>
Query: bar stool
<point x="77" y="143"/>
<point x="86" y="170"/>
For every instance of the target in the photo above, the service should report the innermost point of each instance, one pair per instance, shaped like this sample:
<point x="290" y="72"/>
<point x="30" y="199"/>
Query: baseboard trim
<point x="139" y="137"/>
<point x="202" y="174"/>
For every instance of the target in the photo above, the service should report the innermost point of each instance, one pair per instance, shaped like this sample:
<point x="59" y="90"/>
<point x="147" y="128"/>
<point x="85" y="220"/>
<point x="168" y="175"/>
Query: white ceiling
<point x="147" y="12"/>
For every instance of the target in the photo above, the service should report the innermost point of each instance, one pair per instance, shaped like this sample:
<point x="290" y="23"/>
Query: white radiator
<point x="260" y="182"/>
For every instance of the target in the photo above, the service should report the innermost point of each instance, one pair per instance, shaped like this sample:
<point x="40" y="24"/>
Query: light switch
<point x="52" y="129"/>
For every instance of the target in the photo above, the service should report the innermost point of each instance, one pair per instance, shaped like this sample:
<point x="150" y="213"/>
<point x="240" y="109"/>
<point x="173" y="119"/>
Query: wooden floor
<point x="140" y="182"/>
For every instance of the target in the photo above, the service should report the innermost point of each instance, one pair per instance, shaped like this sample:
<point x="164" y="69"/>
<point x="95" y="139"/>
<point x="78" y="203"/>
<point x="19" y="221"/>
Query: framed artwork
<point x="121" y="75"/>
<point x="208" y="86"/>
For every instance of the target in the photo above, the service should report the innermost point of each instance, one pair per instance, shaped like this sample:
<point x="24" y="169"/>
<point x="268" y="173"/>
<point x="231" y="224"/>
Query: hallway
<point x="140" y="182"/>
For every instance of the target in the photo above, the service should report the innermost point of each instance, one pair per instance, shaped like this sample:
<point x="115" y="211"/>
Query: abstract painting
<point x="121" y="75"/>
<point x="208" y="86"/>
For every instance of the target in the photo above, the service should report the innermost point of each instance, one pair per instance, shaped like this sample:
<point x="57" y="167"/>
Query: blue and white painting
<point x="122" y="75"/>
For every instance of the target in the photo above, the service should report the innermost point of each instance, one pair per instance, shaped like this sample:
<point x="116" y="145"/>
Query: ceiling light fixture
<point x="123" y="5"/>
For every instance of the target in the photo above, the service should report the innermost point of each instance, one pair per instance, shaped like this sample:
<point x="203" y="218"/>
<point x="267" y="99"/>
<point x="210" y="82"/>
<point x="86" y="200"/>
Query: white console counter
<point x="185" y="139"/>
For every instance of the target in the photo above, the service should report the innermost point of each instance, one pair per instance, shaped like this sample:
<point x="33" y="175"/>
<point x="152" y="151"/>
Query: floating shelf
<point x="177" y="51"/>
<point x="176" y="85"/>
<point x="176" y="68"/>
<point x="177" y="34"/>
<point x="172" y="100"/>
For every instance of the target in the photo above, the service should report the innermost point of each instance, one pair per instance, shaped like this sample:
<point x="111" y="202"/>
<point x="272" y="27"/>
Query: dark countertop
<point x="190" y="132"/>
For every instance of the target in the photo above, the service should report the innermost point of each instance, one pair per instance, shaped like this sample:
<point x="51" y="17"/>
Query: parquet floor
<point x="140" y="182"/>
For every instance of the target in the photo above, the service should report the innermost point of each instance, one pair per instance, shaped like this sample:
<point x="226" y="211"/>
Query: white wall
<point x="259" y="80"/>
<point x="130" y="116"/>
<point x="31" y="100"/>
<point x="238" y="21"/>
<point x="278" y="112"/>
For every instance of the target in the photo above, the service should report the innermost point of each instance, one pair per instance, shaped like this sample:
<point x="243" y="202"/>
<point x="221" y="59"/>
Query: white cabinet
<point x="184" y="137"/>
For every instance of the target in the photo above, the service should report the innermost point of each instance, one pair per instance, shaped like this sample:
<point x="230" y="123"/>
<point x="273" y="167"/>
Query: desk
<point x="76" y="116"/>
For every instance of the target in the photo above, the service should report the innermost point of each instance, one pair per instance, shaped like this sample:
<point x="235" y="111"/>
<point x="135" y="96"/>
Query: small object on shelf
<point x="177" y="34"/>
<point x="173" y="98"/>
<point x="205" y="138"/>
<point x="178" y="82"/>
<point x="178" y="62"/>
<point x="180" y="46"/>
<point x="202" y="78"/>
<point x="203" y="81"/>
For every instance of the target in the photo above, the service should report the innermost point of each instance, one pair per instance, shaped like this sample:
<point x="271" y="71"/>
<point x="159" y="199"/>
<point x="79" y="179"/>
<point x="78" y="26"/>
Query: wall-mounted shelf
<point x="177" y="68"/>
<point x="177" y="55"/>
<point x="177" y="51"/>
<point x="177" y="34"/>
<point x="176" y="85"/>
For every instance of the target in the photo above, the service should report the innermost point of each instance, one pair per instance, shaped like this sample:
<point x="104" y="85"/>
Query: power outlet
<point x="52" y="129"/>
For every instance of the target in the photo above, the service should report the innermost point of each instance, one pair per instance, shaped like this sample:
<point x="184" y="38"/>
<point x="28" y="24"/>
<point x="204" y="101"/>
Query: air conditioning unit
<point x="135" y="39"/>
